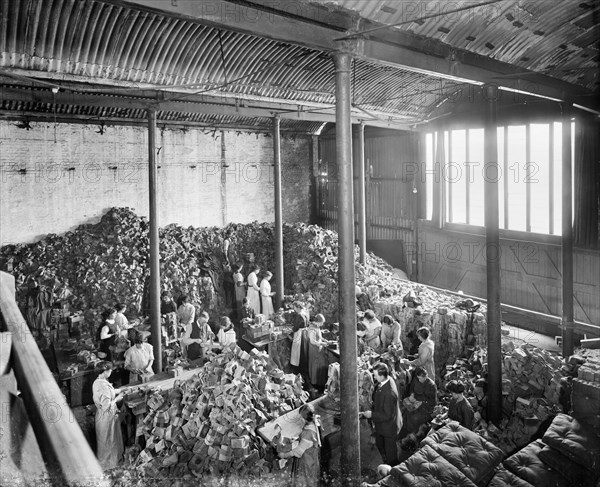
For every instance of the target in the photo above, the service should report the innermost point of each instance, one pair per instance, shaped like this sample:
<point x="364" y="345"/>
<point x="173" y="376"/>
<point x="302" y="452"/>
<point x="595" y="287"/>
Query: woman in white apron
<point x="253" y="294"/>
<point x="299" y="323"/>
<point x="108" y="424"/>
<point x="266" y="296"/>
<point x="373" y="325"/>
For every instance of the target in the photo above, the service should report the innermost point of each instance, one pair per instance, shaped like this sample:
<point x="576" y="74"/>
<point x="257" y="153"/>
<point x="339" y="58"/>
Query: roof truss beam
<point x="317" y="27"/>
<point x="204" y="104"/>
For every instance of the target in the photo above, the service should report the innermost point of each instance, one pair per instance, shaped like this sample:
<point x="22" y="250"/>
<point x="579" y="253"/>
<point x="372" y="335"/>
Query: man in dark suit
<point x="384" y="415"/>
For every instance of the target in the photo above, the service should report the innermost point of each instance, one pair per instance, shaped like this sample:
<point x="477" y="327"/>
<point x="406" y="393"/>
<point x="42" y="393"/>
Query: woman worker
<point x="426" y="353"/>
<point x="307" y="471"/>
<point x="107" y="332"/>
<point x="226" y="335"/>
<point x="139" y="358"/>
<point x="373" y="330"/>
<point x="197" y="338"/>
<point x="459" y="408"/>
<point x="423" y="390"/>
<point x="121" y="321"/>
<point x="390" y="333"/>
<point x="108" y="425"/>
<point x="299" y="323"/>
<point x="318" y="365"/>
<point x="266" y="296"/>
<point x="240" y="288"/>
<point x="253" y="294"/>
<point x="186" y="312"/>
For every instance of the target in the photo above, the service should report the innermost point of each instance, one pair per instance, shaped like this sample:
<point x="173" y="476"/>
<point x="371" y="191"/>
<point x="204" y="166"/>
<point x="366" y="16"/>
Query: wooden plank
<point x="591" y="343"/>
<point x="67" y="454"/>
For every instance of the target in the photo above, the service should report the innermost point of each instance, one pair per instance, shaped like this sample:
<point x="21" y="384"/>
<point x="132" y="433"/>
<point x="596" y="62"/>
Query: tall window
<point x="530" y="176"/>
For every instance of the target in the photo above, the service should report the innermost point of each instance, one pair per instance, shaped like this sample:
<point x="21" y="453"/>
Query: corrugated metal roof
<point x="557" y="38"/>
<point x="113" y="43"/>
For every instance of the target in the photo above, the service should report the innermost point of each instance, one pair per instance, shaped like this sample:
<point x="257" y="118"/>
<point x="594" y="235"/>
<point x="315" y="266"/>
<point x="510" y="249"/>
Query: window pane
<point x="557" y="178"/>
<point x="517" y="156"/>
<point x="456" y="176"/>
<point x="501" y="174"/>
<point x="429" y="176"/>
<point x="538" y="177"/>
<point x="475" y="180"/>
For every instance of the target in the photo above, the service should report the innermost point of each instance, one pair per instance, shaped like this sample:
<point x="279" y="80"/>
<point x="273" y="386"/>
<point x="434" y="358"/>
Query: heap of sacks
<point x="453" y="330"/>
<point x="532" y="383"/>
<point x="366" y="385"/>
<point x="108" y="262"/>
<point x="207" y="424"/>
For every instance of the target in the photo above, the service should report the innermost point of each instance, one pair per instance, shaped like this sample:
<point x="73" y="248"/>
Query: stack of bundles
<point x="101" y="263"/>
<point x="585" y="395"/>
<point x="531" y="388"/>
<point x="451" y="328"/>
<point x="108" y="262"/>
<point x="207" y="424"/>
<point x="517" y="430"/>
<point x="532" y="372"/>
<point x="366" y="386"/>
<point x="310" y="265"/>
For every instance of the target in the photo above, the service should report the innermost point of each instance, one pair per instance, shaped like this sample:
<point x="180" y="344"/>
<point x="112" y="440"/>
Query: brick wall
<point x="205" y="178"/>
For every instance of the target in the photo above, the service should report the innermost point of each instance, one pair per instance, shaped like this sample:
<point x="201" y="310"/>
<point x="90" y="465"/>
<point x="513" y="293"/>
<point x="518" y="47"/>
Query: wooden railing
<point x="68" y="457"/>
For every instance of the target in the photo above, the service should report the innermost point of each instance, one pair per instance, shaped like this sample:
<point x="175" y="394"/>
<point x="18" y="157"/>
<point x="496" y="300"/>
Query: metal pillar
<point x="278" y="271"/>
<point x="567" y="236"/>
<point x="362" y="213"/>
<point x="439" y="183"/>
<point x="154" y="246"/>
<point x="350" y="454"/>
<point x="494" y="315"/>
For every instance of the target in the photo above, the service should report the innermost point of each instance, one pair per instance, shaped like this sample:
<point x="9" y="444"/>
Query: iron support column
<point x="567" y="236"/>
<point x="278" y="271"/>
<point x="350" y="454"/>
<point x="154" y="246"/>
<point x="494" y="315"/>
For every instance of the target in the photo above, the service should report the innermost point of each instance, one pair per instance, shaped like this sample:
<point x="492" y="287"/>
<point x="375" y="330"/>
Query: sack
<point x="410" y="404"/>
<point x="411" y="300"/>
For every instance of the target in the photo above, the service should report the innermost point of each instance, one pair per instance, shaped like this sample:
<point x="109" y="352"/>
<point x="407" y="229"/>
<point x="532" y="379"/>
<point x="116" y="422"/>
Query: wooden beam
<point x="67" y="454"/>
<point x="311" y="27"/>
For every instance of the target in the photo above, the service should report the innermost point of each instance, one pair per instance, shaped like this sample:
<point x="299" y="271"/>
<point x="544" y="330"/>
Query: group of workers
<point x="395" y="417"/>
<point x="392" y="416"/>
<point x="259" y="296"/>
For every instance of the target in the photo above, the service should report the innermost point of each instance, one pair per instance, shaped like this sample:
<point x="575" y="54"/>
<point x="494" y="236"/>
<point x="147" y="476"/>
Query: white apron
<point x="296" y="346"/>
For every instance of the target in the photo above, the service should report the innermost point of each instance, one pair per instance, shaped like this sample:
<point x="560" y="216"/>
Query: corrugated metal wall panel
<point x="390" y="201"/>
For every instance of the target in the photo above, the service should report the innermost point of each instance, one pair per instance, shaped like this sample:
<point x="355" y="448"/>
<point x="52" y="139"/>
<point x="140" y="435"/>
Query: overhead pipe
<point x="492" y="232"/>
<point x="155" y="327"/>
<point x="279" y="278"/>
<point x="567" y="236"/>
<point x="350" y="433"/>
